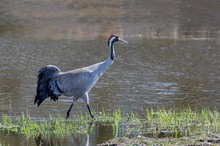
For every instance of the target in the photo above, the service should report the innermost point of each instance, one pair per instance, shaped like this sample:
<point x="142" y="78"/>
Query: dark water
<point x="100" y="135"/>
<point x="172" y="59"/>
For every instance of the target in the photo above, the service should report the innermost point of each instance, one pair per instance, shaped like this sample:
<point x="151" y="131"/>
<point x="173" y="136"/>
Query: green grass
<point x="182" y="122"/>
<point x="159" y="123"/>
<point x="55" y="126"/>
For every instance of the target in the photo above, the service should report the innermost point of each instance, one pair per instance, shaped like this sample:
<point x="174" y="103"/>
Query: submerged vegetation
<point x="159" y="123"/>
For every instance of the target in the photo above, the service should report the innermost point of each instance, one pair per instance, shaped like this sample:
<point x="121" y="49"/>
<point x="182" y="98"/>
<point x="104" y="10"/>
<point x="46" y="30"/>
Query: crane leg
<point x="92" y="116"/>
<point x="68" y="112"/>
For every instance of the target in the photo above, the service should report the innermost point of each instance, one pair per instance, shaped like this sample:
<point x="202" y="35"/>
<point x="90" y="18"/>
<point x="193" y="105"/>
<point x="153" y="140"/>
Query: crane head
<point x="114" y="38"/>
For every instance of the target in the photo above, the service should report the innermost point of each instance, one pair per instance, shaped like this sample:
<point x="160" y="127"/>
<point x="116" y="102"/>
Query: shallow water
<point x="105" y="132"/>
<point x="172" y="58"/>
<point x="147" y="73"/>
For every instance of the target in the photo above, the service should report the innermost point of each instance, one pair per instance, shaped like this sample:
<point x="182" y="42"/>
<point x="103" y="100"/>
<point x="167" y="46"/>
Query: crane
<point x="74" y="83"/>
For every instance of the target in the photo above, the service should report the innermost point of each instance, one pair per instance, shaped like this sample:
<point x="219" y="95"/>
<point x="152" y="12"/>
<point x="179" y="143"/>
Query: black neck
<point x="112" y="53"/>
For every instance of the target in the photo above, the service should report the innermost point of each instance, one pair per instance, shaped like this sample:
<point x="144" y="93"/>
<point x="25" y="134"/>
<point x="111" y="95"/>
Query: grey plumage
<point x="76" y="83"/>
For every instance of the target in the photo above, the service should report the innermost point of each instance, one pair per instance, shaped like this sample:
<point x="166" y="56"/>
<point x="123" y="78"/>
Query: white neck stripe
<point x="111" y="40"/>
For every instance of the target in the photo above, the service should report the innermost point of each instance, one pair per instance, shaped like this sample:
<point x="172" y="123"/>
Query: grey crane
<point x="74" y="83"/>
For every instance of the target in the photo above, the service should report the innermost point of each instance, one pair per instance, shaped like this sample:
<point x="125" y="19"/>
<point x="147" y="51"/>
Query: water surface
<point x="172" y="59"/>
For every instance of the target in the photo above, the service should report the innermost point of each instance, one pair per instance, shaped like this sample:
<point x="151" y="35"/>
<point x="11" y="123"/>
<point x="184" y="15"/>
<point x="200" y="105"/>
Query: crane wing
<point x="76" y="83"/>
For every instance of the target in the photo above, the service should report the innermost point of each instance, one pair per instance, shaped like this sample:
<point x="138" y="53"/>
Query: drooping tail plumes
<point x="43" y="85"/>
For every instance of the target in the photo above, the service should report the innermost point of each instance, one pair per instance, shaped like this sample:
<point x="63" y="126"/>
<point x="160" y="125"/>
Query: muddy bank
<point x="209" y="140"/>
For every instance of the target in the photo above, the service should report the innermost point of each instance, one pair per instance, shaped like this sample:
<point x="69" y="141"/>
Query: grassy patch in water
<point x="182" y="122"/>
<point x="54" y="126"/>
<point x="159" y="123"/>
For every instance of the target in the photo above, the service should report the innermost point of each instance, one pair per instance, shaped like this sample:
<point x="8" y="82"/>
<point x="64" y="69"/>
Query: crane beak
<point x="122" y="40"/>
